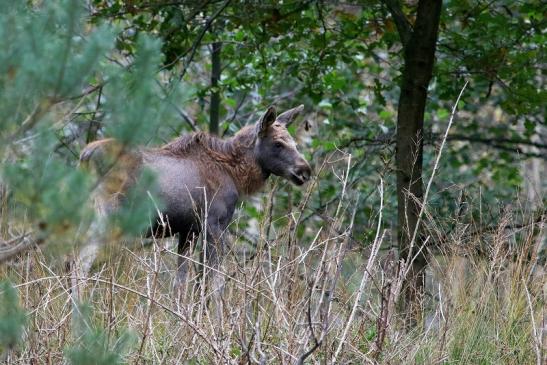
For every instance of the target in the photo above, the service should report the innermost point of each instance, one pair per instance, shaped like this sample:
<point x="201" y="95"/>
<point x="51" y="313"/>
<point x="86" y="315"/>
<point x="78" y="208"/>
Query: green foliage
<point x="12" y="317"/>
<point x="476" y="340"/>
<point x="42" y="183"/>
<point x="144" y="61"/>
<point x="133" y="98"/>
<point x="345" y="63"/>
<point x="47" y="56"/>
<point x="94" y="346"/>
<point x="50" y="55"/>
<point x="141" y="202"/>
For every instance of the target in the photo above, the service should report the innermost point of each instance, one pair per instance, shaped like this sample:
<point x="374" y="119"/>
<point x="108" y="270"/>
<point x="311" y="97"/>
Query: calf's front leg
<point x="216" y="240"/>
<point x="214" y="247"/>
<point x="186" y="239"/>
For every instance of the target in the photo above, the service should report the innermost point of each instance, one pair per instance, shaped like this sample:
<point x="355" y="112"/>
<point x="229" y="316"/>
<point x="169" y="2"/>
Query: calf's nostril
<point x="304" y="173"/>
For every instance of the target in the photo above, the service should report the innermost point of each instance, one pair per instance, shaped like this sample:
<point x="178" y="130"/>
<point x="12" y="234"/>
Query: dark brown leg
<point x="185" y="241"/>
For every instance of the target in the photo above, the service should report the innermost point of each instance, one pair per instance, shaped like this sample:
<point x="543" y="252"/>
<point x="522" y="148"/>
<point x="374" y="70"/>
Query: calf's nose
<point x="303" y="170"/>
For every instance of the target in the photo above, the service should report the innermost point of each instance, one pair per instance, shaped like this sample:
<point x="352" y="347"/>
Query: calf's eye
<point x="278" y="145"/>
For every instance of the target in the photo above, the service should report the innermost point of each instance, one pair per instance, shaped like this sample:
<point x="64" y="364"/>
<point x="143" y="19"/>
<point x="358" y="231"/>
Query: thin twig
<point x="375" y="248"/>
<point x="200" y="37"/>
<point x="177" y="314"/>
<point x="430" y="182"/>
<point x="537" y="341"/>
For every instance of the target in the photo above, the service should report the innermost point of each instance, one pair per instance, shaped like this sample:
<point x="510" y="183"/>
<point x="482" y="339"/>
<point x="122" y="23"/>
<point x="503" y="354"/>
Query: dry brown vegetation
<point x="293" y="300"/>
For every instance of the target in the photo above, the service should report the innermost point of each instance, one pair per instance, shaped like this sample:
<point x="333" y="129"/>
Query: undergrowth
<point x="286" y="301"/>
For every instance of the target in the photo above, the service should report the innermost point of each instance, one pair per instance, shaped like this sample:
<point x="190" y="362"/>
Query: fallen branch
<point x="16" y="246"/>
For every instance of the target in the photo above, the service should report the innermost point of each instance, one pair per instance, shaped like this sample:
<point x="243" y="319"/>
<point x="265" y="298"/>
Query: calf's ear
<point x="267" y="119"/>
<point x="290" y="115"/>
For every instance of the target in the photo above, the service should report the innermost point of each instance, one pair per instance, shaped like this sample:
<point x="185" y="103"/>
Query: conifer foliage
<point x="52" y="64"/>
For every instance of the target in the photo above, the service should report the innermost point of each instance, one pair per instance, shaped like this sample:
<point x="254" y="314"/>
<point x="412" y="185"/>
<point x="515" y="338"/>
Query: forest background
<point x="420" y="239"/>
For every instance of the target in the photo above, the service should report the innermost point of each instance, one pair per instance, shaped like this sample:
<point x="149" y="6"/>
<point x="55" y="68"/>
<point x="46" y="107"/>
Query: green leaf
<point x="13" y="318"/>
<point x="93" y="345"/>
<point x="442" y="113"/>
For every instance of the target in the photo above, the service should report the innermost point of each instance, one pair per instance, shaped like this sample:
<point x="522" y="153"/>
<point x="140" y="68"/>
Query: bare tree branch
<point x="500" y="143"/>
<point x="316" y="342"/>
<point x="401" y="22"/>
<point x="204" y="30"/>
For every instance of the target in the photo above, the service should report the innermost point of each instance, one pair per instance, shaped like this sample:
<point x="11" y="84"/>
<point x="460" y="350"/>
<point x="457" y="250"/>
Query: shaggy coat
<point x="200" y="177"/>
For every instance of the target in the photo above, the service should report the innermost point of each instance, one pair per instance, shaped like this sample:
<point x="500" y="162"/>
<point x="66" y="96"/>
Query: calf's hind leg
<point x="186" y="238"/>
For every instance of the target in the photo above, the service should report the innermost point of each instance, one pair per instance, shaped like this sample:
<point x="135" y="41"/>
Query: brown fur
<point x="199" y="173"/>
<point x="233" y="156"/>
<point x="117" y="166"/>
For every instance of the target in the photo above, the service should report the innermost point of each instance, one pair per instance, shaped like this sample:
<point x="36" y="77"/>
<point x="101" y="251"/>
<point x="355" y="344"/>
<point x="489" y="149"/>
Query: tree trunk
<point x="215" y="92"/>
<point x="419" y="44"/>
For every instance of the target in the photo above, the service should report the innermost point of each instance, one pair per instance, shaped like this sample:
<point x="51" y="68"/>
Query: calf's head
<point x="276" y="150"/>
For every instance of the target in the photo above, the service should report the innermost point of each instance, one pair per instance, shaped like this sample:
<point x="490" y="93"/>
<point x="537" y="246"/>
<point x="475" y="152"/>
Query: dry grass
<point x="291" y="302"/>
